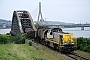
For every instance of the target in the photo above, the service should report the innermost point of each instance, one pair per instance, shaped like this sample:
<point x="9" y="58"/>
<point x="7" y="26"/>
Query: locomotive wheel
<point x="44" y="43"/>
<point x="48" y="44"/>
<point x="72" y="51"/>
<point x="55" y="47"/>
<point x="39" y="41"/>
<point x="61" y="52"/>
<point x="36" y="39"/>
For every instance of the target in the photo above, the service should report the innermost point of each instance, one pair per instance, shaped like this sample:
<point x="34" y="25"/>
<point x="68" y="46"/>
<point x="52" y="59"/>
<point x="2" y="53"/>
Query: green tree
<point x="36" y="25"/>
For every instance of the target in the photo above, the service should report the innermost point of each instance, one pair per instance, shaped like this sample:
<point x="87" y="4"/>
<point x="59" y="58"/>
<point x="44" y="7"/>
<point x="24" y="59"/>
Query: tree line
<point x="83" y="44"/>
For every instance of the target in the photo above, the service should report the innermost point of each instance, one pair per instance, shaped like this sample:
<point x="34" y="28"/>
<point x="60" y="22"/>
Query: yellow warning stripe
<point x="54" y="42"/>
<point x="51" y="41"/>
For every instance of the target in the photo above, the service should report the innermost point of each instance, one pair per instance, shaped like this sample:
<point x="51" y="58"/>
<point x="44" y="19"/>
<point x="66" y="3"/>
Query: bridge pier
<point x="82" y="28"/>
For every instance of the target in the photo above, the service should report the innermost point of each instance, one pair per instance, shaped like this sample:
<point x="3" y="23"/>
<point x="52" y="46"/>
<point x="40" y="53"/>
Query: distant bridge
<point x="73" y="25"/>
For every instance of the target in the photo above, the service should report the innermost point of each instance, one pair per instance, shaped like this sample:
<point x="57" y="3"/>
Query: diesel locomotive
<point x="56" y="38"/>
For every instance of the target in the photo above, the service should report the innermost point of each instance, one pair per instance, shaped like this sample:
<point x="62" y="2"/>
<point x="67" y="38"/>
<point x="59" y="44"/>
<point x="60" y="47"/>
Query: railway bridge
<point x="22" y="22"/>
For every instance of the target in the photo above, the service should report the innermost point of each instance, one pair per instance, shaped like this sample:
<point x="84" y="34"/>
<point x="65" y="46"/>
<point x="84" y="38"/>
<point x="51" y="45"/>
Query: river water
<point x="4" y="31"/>
<point x="77" y="32"/>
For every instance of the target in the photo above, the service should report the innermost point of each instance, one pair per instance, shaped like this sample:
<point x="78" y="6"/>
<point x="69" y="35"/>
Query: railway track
<point x="73" y="56"/>
<point x="56" y="52"/>
<point x="76" y="56"/>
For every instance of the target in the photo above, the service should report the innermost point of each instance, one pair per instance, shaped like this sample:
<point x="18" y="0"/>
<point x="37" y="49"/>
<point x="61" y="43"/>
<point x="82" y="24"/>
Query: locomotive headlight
<point x="64" y="43"/>
<point x="72" y="43"/>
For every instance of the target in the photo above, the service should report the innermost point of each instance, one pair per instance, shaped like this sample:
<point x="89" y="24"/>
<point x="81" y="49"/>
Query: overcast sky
<point x="72" y="11"/>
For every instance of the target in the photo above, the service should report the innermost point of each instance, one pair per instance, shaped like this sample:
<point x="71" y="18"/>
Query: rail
<point x="76" y="56"/>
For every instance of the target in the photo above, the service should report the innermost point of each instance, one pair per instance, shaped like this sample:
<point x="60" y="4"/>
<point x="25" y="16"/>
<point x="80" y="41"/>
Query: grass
<point x="26" y="52"/>
<point x="18" y="52"/>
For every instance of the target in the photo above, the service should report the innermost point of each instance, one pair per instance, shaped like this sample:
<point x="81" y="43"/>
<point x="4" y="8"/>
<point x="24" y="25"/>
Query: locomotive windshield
<point x="56" y="30"/>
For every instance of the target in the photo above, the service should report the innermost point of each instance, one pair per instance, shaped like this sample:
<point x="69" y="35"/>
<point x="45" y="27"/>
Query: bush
<point x="4" y="39"/>
<point x="83" y="44"/>
<point x="19" y="38"/>
<point x="7" y="33"/>
<point x="24" y="35"/>
<point x="30" y="42"/>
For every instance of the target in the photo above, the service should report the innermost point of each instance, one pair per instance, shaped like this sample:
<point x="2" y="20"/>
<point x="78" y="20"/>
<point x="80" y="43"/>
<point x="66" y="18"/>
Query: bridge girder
<point x="22" y="22"/>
